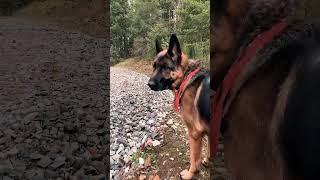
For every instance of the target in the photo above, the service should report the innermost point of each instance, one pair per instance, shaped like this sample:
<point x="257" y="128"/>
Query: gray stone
<point x="38" y="177"/>
<point x="100" y="116"/>
<point x="112" y="153"/>
<point x="3" y="140"/>
<point x="70" y="127"/>
<point x="94" y="140"/>
<point x="5" y="169"/>
<point x="30" y="173"/>
<point x="10" y="132"/>
<point x="44" y="162"/>
<point x="54" y="131"/>
<point x="82" y="139"/>
<point x="90" y="170"/>
<point x="78" y="163"/>
<point x="13" y="151"/>
<point x="122" y="141"/>
<point x="30" y="117"/>
<point x="100" y="166"/>
<point x="60" y="158"/>
<point x="50" y="174"/>
<point x="101" y="132"/>
<point x="112" y="161"/>
<point x="57" y="164"/>
<point x="90" y="131"/>
<point x="74" y="146"/>
<point x="99" y="177"/>
<point x="7" y="178"/>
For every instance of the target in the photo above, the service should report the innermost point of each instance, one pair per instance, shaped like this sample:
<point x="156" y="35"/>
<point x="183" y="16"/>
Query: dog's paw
<point x="186" y="174"/>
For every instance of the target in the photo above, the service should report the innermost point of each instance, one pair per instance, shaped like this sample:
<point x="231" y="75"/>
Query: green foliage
<point x="121" y="36"/>
<point x="146" y="18"/>
<point x="193" y="28"/>
<point x="158" y="31"/>
<point x="136" y="24"/>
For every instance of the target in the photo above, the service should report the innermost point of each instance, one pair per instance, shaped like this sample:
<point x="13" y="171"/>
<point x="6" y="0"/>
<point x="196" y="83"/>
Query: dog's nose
<point x="152" y="84"/>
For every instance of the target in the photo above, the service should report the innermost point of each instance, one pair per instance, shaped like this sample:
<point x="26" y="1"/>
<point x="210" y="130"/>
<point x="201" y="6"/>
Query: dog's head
<point x="168" y="66"/>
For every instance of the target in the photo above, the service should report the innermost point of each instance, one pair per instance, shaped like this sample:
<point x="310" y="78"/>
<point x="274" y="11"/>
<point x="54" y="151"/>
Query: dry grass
<point x="138" y="65"/>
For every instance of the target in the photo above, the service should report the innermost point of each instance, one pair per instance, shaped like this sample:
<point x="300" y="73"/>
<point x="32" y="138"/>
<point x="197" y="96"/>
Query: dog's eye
<point x="165" y="68"/>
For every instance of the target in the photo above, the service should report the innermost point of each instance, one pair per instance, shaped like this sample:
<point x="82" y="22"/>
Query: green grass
<point x="148" y="153"/>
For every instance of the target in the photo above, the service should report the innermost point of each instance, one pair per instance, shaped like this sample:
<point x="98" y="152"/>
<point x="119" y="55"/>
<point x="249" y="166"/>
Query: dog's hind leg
<point x="195" y="142"/>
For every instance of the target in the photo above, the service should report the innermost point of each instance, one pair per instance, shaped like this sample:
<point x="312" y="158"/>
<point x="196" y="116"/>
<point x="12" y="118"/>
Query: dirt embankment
<point x="89" y="17"/>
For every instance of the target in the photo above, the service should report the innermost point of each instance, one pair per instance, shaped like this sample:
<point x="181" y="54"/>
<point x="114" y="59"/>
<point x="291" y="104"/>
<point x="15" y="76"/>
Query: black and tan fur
<point x="272" y="122"/>
<point x="168" y="73"/>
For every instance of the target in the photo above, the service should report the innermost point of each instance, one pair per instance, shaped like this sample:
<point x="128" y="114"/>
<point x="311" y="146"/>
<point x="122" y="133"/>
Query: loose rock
<point x="44" y="162"/>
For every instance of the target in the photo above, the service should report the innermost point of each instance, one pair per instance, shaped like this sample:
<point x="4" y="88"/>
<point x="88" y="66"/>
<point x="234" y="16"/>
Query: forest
<point x="136" y="24"/>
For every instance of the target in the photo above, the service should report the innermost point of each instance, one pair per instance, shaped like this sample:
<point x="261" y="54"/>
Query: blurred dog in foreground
<point x="265" y="69"/>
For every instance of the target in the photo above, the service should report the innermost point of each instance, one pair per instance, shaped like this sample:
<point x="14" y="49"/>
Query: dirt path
<point x="136" y="116"/>
<point x="54" y="95"/>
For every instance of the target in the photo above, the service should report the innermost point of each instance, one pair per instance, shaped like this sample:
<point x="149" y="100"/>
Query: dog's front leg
<point x="195" y="142"/>
<point x="209" y="157"/>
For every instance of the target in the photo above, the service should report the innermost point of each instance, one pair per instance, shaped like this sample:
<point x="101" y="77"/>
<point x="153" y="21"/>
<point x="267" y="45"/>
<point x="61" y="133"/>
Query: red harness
<point x="236" y="68"/>
<point x="176" y="103"/>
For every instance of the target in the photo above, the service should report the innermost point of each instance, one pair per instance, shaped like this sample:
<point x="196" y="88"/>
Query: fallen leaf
<point x="142" y="147"/>
<point x="142" y="177"/>
<point x="149" y="142"/>
<point x="147" y="162"/>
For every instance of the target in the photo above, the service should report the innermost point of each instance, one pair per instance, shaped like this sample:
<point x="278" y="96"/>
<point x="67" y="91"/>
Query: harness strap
<point x="178" y="93"/>
<point x="236" y="68"/>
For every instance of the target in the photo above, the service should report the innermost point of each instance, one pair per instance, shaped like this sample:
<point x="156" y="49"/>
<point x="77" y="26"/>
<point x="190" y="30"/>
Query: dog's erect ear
<point x="174" y="46"/>
<point x="158" y="46"/>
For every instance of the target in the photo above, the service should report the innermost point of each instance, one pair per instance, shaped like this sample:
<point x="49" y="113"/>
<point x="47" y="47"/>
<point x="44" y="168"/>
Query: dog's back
<point x="204" y="99"/>
<point x="300" y="130"/>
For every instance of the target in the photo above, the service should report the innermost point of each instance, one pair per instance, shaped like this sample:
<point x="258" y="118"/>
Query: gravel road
<point x="54" y="103"/>
<point x="137" y="115"/>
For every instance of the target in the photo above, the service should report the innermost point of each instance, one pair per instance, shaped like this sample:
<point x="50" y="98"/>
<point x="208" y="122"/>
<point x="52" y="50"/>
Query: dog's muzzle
<point x="153" y="85"/>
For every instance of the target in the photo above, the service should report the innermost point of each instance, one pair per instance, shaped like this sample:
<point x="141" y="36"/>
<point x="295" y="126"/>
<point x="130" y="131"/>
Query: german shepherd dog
<point x="272" y="125"/>
<point x="169" y="70"/>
